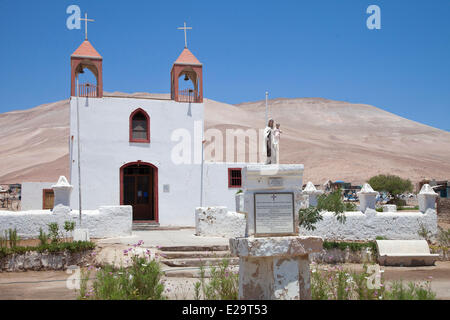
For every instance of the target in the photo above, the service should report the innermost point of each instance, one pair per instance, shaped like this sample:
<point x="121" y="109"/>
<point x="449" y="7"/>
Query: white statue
<point x="268" y="143"/>
<point x="276" y="142"/>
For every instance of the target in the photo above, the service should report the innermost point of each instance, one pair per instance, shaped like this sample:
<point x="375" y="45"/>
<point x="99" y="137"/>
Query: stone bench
<point x="405" y="253"/>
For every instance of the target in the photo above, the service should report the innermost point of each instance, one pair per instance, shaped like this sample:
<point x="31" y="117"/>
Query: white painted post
<point x="427" y="198"/>
<point x="62" y="190"/>
<point x="312" y="193"/>
<point x="367" y="198"/>
<point x="267" y="109"/>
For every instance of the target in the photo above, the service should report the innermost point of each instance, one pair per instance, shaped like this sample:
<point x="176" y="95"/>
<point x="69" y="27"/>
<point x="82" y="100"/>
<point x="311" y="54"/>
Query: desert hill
<point x="333" y="139"/>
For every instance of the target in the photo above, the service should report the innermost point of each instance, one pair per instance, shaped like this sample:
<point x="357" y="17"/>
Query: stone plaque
<point x="276" y="182"/>
<point x="274" y="214"/>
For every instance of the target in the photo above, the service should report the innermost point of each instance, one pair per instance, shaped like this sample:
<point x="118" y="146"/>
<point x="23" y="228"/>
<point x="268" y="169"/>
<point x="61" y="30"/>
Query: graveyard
<point x="159" y="171"/>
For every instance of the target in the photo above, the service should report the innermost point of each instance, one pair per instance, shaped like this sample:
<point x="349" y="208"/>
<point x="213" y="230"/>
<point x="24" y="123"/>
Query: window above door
<point x="139" y="126"/>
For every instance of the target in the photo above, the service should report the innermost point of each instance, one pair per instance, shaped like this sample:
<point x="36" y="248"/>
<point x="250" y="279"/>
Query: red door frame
<point x="155" y="188"/>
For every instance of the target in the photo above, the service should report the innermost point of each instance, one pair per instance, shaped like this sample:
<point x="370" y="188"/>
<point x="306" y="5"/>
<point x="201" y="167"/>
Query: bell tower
<point x="86" y="57"/>
<point x="188" y="66"/>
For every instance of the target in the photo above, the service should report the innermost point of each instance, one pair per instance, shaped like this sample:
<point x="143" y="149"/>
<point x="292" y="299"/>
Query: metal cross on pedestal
<point x="86" y="20"/>
<point x="185" y="36"/>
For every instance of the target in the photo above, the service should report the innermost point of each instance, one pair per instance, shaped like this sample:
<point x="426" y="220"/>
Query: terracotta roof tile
<point x="186" y="57"/>
<point x="86" y="50"/>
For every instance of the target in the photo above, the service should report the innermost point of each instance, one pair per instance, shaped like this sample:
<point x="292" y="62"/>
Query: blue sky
<point x="290" y="48"/>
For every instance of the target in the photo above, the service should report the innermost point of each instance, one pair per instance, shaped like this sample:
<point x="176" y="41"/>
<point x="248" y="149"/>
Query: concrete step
<point x="197" y="262"/>
<point x="141" y="226"/>
<point x="195" y="248"/>
<point x="195" y="254"/>
<point x="192" y="272"/>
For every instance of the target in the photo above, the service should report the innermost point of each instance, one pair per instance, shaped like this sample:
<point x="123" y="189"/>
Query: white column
<point x="367" y="198"/>
<point x="62" y="190"/>
<point x="312" y="193"/>
<point x="427" y="198"/>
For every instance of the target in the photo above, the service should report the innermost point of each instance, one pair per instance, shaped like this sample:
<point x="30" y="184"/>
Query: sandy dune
<point x="334" y="140"/>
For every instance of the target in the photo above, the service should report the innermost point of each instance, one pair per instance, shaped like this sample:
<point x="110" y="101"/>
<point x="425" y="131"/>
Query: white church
<point x="140" y="151"/>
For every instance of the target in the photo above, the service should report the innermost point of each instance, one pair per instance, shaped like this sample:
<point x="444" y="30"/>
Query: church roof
<point x="186" y="57"/>
<point x="86" y="50"/>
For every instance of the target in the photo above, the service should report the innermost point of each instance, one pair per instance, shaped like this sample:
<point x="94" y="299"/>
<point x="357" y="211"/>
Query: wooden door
<point x="48" y="199"/>
<point x="138" y="192"/>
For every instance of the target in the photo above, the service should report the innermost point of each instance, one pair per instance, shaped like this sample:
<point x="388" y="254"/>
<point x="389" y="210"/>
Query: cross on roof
<point x="185" y="37"/>
<point x="86" y="20"/>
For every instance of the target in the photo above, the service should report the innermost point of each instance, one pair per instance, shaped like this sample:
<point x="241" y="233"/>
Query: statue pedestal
<point x="275" y="268"/>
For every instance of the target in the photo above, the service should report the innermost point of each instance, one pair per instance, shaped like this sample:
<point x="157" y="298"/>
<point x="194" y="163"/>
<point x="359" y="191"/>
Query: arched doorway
<point x="139" y="189"/>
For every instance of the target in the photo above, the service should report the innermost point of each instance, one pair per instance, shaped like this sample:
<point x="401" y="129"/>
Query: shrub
<point x="350" y="206"/>
<point x="69" y="226"/>
<point x="140" y="281"/>
<point x="308" y="217"/>
<point x="443" y="237"/>
<point x="43" y="237"/>
<point x="76" y="246"/>
<point x="412" y="292"/>
<point x="353" y="246"/>
<point x="53" y="229"/>
<point x="424" y="232"/>
<point x="336" y="283"/>
<point x="331" y="202"/>
<point x="223" y="284"/>
<point x="13" y="238"/>
<point x="3" y="241"/>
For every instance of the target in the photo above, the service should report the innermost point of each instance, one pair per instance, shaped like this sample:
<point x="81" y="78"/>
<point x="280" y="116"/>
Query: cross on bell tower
<point x="86" y="20"/>
<point x="185" y="35"/>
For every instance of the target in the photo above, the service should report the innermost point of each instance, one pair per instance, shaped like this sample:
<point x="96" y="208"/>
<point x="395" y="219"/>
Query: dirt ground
<point x="51" y="285"/>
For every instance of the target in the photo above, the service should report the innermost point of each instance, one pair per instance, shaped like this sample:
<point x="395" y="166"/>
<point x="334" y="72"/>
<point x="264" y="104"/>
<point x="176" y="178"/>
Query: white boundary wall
<point x="107" y="221"/>
<point x="219" y="222"/>
<point x="400" y="225"/>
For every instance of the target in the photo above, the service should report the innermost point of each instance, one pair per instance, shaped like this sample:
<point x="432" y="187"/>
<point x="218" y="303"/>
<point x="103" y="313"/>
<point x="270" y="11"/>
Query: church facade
<point x="144" y="151"/>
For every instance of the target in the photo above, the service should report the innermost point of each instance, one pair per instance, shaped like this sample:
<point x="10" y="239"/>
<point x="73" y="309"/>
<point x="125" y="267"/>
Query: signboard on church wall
<point x="274" y="214"/>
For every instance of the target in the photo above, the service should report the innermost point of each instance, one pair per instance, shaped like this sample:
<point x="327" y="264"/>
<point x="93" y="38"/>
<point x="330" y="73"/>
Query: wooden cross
<point x="85" y="24"/>
<point x="185" y="37"/>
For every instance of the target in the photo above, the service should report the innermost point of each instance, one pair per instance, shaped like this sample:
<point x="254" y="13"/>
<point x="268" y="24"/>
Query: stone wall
<point x="38" y="261"/>
<point x="443" y="210"/>
<point x="107" y="221"/>
<point x="219" y="222"/>
<point x="401" y="225"/>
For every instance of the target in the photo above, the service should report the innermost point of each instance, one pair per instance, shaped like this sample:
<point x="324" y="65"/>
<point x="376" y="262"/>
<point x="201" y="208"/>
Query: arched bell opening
<point x="188" y="86"/>
<point x="87" y="74"/>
